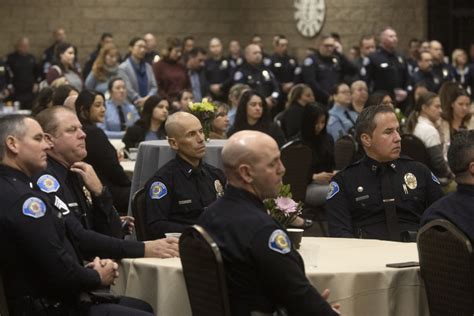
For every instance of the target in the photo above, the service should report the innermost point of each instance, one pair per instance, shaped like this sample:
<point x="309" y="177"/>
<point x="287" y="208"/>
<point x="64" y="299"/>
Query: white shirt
<point x="426" y="131"/>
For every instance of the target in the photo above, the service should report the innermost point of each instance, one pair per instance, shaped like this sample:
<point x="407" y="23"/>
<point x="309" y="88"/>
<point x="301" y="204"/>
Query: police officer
<point x="441" y="70"/>
<point x="217" y="70"/>
<point x="367" y="47"/>
<point x="235" y="55"/>
<point x="383" y="195"/>
<point x="254" y="171"/>
<point x="457" y="206"/>
<point x="59" y="36"/>
<point x="72" y="180"/>
<point x="326" y="68"/>
<point x="424" y="73"/>
<point x="258" y="76"/>
<point x="182" y="188"/>
<point x="43" y="270"/>
<point x="387" y="70"/>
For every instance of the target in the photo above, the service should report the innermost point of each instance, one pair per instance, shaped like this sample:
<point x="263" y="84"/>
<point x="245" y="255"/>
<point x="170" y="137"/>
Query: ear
<point x="173" y="143"/>
<point x="12" y="144"/>
<point x="49" y="139"/>
<point x="471" y="168"/>
<point x="245" y="173"/>
<point x="366" y="140"/>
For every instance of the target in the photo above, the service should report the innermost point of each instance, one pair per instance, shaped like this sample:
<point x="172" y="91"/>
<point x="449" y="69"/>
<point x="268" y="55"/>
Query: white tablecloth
<point x="353" y="269"/>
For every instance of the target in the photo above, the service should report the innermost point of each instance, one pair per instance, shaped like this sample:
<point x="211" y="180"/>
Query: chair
<point x="278" y="117"/>
<point x="296" y="158"/>
<point x="3" y="300"/>
<point x="446" y="264"/>
<point x="345" y="150"/>
<point x="204" y="273"/>
<point x="138" y="211"/>
<point x="414" y="148"/>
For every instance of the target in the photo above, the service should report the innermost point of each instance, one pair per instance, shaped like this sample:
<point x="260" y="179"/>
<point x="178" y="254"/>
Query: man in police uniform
<point x="258" y="76"/>
<point x="218" y="71"/>
<point x="70" y="179"/>
<point x="264" y="272"/>
<point x="387" y="70"/>
<point x="182" y="188"/>
<point x="383" y="195"/>
<point x="43" y="270"/>
<point x="326" y="68"/>
<point x="424" y="73"/>
<point x="442" y="70"/>
<point x="458" y="206"/>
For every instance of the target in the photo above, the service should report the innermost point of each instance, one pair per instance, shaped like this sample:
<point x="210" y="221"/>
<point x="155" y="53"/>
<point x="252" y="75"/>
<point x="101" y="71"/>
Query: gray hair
<point x="11" y="125"/>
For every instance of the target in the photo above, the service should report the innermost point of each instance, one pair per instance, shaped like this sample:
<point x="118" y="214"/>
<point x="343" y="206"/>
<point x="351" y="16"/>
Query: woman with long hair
<point x="423" y="123"/>
<point x="253" y="114"/>
<point x="299" y="97"/>
<point x="104" y="68"/>
<point x="220" y="123"/>
<point x="64" y="66"/>
<point x="151" y="126"/>
<point x="90" y="108"/>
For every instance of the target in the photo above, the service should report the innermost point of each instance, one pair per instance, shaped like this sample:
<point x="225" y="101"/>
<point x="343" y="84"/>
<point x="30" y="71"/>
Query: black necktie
<point x="389" y="204"/>
<point x="121" y="117"/>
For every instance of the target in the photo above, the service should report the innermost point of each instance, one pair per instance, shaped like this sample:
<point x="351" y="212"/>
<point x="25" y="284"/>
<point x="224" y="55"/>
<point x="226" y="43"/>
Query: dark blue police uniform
<point x="263" y="271"/>
<point x="355" y="202"/>
<point x="457" y="207"/>
<point x="178" y="193"/>
<point x="387" y="71"/>
<point x="431" y="81"/>
<point x="259" y="78"/>
<point x="219" y="71"/>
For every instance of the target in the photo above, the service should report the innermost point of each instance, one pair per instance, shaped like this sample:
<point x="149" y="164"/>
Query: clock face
<point x="309" y="16"/>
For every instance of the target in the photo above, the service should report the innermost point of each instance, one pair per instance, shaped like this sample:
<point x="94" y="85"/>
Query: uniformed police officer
<point x="217" y="70"/>
<point x="383" y="195"/>
<point x="235" y="55"/>
<point x="442" y="70"/>
<point x="182" y="188"/>
<point x="424" y="73"/>
<point x="254" y="172"/>
<point x="72" y="180"/>
<point x="387" y="70"/>
<point x="457" y="206"/>
<point x="326" y="68"/>
<point x="42" y="268"/>
<point x="258" y="76"/>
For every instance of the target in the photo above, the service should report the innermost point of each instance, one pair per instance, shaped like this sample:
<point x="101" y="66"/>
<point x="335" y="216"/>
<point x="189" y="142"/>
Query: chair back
<point x="3" y="299"/>
<point x="139" y="212"/>
<point x="414" y="148"/>
<point x="446" y="264"/>
<point x="204" y="273"/>
<point x="296" y="158"/>
<point x="345" y="150"/>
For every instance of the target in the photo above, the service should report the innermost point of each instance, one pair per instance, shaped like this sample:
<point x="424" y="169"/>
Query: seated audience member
<point x="61" y="93"/>
<point x="341" y="119"/>
<point x="422" y="123"/>
<point x="138" y="74"/>
<point x="36" y="233"/>
<point x="383" y="195"/>
<point x="105" y="67"/>
<point x="255" y="257"/>
<point x="359" y="95"/>
<point x="69" y="178"/>
<point x="298" y="98"/>
<point x="461" y="70"/>
<point x="43" y="101"/>
<point x="380" y="98"/>
<point x="120" y="114"/>
<point x="182" y="188"/>
<point x="220" y="123"/>
<point x="65" y="66"/>
<point x="456" y="115"/>
<point x="457" y="207"/>
<point x="151" y="126"/>
<point x="171" y="76"/>
<point x="235" y="93"/>
<point x="181" y="101"/>
<point x="105" y="39"/>
<point x="253" y="114"/>
<point x="314" y="135"/>
<point x="101" y="154"/>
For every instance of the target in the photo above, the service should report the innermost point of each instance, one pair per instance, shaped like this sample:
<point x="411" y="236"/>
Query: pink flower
<point x="287" y="205"/>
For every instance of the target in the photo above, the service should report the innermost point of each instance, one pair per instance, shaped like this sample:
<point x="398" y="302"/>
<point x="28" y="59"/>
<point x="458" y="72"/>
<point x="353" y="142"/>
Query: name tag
<point x="183" y="202"/>
<point x="361" y="198"/>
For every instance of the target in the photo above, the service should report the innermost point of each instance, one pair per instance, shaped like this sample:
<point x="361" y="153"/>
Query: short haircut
<point x="365" y="123"/>
<point x="366" y="37"/>
<point x="461" y="151"/>
<point x="196" y="51"/>
<point x="134" y="40"/>
<point x="48" y="118"/>
<point x="13" y="125"/>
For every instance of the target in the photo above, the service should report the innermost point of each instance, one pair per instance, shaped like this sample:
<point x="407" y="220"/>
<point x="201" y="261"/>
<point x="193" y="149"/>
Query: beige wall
<point x="85" y="20"/>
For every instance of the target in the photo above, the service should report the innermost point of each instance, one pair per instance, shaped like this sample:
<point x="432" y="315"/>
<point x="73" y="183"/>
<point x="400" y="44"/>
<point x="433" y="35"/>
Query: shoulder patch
<point x="34" y="207"/>
<point x="433" y="177"/>
<point x="279" y="242"/>
<point x="308" y="61"/>
<point x="238" y="75"/>
<point x="48" y="184"/>
<point x="333" y="190"/>
<point x="267" y="61"/>
<point x="158" y="190"/>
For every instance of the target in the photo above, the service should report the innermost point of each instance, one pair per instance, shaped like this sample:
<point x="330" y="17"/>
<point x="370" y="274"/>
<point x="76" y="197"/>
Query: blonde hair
<point x="98" y="69"/>
<point x="456" y="53"/>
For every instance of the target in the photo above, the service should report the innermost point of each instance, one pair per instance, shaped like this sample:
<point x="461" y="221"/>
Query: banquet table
<point x="353" y="269"/>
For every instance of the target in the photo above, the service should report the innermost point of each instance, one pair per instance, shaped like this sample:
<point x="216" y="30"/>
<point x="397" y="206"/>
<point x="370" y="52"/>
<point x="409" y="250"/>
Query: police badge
<point x="410" y="180"/>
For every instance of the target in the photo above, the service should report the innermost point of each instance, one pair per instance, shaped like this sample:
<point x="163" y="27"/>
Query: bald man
<point x="264" y="273"/>
<point x="182" y="188"/>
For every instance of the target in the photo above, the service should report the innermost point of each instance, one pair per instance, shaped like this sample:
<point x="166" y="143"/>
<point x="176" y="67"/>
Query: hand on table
<point x="162" y="248"/>
<point x="335" y="307"/>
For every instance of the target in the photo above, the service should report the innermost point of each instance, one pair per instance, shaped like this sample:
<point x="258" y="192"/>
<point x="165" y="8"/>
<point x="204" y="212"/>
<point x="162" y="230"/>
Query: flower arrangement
<point x="283" y="209"/>
<point x="205" y="112"/>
